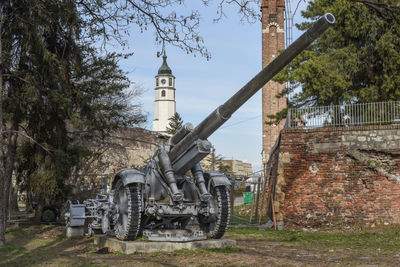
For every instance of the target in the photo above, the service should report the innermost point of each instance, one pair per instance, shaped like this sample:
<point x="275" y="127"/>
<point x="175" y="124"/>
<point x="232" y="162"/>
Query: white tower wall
<point x="164" y="98"/>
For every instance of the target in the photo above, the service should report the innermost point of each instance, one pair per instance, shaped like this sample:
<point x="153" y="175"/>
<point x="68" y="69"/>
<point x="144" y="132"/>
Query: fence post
<point x="252" y="205"/>
<point x="258" y="196"/>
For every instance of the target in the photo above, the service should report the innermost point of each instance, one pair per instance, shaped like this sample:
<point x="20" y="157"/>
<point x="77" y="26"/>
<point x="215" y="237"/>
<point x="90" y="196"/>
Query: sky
<point x="203" y="85"/>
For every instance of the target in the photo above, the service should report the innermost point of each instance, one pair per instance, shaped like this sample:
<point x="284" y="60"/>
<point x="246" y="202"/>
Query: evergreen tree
<point x="56" y="91"/>
<point x="356" y="60"/>
<point x="175" y="123"/>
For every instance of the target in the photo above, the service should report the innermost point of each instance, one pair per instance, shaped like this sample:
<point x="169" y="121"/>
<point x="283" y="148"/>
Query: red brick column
<point x="273" y="41"/>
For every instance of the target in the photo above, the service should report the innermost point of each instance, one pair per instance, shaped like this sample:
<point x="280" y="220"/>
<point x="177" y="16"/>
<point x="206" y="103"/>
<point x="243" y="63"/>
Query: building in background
<point x="207" y="163"/>
<point x="238" y="167"/>
<point x="235" y="167"/>
<point x="164" y="100"/>
<point x="273" y="41"/>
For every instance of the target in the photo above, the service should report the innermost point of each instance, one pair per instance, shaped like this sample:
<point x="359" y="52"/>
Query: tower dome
<point x="165" y="69"/>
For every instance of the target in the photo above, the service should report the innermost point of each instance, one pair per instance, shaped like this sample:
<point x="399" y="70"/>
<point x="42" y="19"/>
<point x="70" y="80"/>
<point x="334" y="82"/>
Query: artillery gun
<point x="159" y="200"/>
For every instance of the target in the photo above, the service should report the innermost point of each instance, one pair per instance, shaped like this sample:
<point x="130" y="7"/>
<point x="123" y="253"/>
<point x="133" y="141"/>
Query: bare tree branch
<point x="113" y="20"/>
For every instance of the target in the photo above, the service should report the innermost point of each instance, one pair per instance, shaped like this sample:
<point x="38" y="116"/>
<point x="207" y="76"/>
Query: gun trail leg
<point x="169" y="174"/>
<point x="199" y="178"/>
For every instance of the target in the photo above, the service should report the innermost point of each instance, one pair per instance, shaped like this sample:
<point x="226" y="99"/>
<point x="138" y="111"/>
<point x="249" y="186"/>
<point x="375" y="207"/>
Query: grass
<point x="205" y="251"/>
<point x="385" y="238"/>
<point x="227" y="249"/>
<point x="241" y="215"/>
<point x="15" y="232"/>
<point x="358" y="245"/>
<point x="11" y="249"/>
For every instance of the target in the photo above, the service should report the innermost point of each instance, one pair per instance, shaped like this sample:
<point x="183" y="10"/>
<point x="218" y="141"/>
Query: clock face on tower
<point x="163" y="81"/>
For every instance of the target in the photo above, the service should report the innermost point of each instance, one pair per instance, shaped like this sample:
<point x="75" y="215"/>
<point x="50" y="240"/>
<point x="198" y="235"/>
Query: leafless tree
<point x="113" y="20"/>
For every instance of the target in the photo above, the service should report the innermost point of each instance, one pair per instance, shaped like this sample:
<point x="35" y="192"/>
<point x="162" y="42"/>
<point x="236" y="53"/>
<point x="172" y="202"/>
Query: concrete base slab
<point x="129" y="247"/>
<point x="74" y="232"/>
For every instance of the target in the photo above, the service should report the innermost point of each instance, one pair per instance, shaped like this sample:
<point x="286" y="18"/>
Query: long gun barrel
<point x="219" y="116"/>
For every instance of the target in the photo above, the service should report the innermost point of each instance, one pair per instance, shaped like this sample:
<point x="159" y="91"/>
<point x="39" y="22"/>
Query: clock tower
<point x="273" y="41"/>
<point x="164" y="101"/>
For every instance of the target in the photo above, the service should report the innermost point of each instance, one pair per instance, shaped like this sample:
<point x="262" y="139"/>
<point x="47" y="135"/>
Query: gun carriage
<point x="159" y="200"/>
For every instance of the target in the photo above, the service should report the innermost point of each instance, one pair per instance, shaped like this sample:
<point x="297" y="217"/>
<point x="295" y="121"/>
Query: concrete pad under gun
<point x="130" y="247"/>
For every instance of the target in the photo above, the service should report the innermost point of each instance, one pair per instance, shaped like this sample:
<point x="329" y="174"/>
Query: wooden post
<point x="232" y="195"/>
<point x="263" y="194"/>
<point x="258" y="195"/>
<point x="252" y="206"/>
<point x="273" y="211"/>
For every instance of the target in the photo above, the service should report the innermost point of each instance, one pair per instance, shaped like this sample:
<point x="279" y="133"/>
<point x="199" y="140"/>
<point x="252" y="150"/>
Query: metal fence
<point x="378" y="113"/>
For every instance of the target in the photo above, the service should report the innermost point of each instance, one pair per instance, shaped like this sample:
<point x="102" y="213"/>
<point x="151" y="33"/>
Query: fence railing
<point x="378" y="113"/>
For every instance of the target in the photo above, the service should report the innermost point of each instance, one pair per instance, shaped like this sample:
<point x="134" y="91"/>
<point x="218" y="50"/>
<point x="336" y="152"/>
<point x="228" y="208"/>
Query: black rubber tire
<point x="48" y="215"/>
<point x="92" y="232"/>
<point x="216" y="228"/>
<point x="128" y="225"/>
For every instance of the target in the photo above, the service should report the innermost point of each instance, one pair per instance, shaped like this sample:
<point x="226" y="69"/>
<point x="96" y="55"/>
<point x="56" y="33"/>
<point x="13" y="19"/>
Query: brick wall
<point x="329" y="176"/>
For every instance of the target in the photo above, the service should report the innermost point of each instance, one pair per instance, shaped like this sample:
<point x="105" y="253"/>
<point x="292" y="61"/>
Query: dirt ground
<point x="358" y="246"/>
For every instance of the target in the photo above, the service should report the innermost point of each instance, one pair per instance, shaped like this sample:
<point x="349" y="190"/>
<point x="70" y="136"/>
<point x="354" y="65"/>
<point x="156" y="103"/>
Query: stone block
<point x="74" y="232"/>
<point x="361" y="138"/>
<point x="383" y="145"/>
<point x="130" y="247"/>
<point x="377" y="139"/>
<point x="284" y="157"/>
<point x="276" y="206"/>
<point x="326" y="147"/>
<point x="266" y="226"/>
<point x="350" y="137"/>
<point x="280" y="225"/>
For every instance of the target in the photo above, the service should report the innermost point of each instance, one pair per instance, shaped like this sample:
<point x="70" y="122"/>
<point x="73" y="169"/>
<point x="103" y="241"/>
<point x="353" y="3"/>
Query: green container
<point x="247" y="197"/>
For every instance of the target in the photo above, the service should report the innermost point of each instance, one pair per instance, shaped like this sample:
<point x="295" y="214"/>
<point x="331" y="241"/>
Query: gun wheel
<point x="214" y="226"/>
<point x="128" y="200"/>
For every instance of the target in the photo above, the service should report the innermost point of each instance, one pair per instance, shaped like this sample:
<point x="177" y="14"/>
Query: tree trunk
<point x="28" y="199"/>
<point x="39" y="210"/>
<point x="14" y="199"/>
<point x="3" y="216"/>
<point x="5" y="181"/>
<point x="3" y="195"/>
<point x="6" y="171"/>
<point x="3" y="205"/>
<point x="7" y="150"/>
<point x="7" y="153"/>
